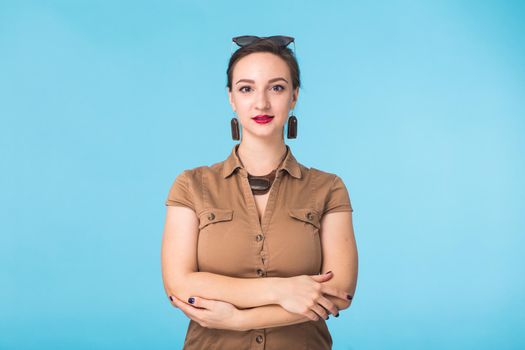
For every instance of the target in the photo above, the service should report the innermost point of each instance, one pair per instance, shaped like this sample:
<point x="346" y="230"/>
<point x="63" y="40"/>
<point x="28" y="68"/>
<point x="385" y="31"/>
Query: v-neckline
<point x="265" y="204"/>
<point x="262" y="220"/>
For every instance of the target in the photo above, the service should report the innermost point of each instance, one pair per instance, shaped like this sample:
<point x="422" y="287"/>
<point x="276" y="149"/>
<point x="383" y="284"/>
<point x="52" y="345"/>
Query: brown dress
<point x="234" y="242"/>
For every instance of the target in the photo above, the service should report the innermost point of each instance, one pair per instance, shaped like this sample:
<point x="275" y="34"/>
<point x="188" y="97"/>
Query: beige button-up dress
<point x="234" y="242"/>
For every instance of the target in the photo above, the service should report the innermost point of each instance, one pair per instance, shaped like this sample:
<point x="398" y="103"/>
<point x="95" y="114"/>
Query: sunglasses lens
<point x="245" y="40"/>
<point x="282" y="40"/>
<point x="249" y="39"/>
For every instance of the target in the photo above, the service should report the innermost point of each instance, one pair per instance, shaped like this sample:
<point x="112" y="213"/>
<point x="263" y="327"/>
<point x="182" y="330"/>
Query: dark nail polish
<point x="327" y="317"/>
<point x="349" y="297"/>
<point x="191" y="300"/>
<point x="337" y="315"/>
<point x="171" y="298"/>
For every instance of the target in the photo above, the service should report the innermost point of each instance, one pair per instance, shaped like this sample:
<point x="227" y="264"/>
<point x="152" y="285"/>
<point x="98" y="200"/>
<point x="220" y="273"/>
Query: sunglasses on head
<point x="280" y="40"/>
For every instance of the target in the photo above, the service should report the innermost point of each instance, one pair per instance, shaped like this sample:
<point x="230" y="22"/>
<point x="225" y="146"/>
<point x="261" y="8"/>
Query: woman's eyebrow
<point x="269" y="81"/>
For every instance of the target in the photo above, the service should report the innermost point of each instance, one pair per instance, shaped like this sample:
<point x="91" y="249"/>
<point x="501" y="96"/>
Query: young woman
<point x="258" y="249"/>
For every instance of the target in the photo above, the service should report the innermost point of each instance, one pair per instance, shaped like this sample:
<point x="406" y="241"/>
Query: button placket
<point x="263" y="256"/>
<point x="261" y="223"/>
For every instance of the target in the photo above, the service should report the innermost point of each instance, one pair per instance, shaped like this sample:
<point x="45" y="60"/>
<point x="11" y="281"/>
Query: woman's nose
<point x="262" y="100"/>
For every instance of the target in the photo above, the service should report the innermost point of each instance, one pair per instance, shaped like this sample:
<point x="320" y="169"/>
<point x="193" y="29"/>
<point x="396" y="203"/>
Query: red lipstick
<point x="263" y="118"/>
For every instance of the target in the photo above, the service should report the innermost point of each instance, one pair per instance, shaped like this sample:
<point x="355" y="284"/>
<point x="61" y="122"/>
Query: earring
<point x="235" y="129"/>
<point x="292" y="127"/>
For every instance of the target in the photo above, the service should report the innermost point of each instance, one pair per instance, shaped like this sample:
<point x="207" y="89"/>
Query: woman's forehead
<point x="261" y="66"/>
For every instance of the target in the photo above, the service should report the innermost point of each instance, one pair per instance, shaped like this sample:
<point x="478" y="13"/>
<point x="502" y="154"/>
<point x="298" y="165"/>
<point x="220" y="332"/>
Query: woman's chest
<point x="276" y="234"/>
<point x="260" y="202"/>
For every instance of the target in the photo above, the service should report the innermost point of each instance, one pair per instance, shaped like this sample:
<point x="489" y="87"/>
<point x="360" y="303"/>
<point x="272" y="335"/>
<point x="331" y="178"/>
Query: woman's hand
<point x="210" y="313"/>
<point x="305" y="295"/>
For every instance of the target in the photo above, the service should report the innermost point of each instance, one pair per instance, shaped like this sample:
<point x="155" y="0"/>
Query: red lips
<point x="263" y="116"/>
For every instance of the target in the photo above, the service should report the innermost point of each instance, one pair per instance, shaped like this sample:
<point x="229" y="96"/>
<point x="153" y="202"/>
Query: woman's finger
<point x="323" y="278"/>
<point x="201" y="302"/>
<point x="312" y="315"/>
<point x="172" y="301"/>
<point x="178" y="304"/>
<point x="336" y="292"/>
<point x="188" y="309"/>
<point x="328" y="305"/>
<point x="318" y="309"/>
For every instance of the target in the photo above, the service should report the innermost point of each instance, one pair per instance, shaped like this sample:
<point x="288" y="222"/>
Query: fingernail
<point x="329" y="272"/>
<point x="349" y="297"/>
<point x="327" y="317"/>
<point x="171" y="298"/>
<point x="191" y="300"/>
<point x="337" y="315"/>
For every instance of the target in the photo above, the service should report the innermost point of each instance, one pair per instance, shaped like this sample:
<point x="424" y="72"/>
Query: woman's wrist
<point x="241" y="320"/>
<point x="276" y="289"/>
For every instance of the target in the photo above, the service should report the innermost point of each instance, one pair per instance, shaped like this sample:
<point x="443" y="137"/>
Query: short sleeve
<point x="338" y="198"/>
<point x="179" y="193"/>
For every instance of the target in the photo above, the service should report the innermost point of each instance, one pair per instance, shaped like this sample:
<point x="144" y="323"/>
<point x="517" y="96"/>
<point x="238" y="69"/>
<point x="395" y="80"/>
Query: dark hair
<point x="266" y="46"/>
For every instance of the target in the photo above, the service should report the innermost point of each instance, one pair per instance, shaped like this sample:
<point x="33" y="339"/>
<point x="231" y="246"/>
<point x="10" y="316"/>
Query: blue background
<point x="417" y="105"/>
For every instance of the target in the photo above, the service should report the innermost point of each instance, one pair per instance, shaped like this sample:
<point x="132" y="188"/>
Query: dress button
<point x="259" y="238"/>
<point x="211" y="216"/>
<point x="260" y="272"/>
<point x="309" y="216"/>
<point x="259" y="339"/>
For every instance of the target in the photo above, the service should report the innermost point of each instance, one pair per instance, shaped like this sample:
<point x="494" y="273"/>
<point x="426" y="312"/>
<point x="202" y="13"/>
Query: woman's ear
<point x="230" y="99"/>
<point x="295" y="96"/>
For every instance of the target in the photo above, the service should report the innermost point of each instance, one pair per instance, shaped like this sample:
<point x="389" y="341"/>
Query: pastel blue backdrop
<point x="417" y="105"/>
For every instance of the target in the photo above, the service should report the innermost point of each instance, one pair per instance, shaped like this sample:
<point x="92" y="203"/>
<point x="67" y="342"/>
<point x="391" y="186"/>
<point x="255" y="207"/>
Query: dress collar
<point x="289" y="164"/>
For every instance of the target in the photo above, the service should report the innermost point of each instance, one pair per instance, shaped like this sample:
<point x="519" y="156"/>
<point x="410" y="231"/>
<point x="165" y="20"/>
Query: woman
<point x="246" y="239"/>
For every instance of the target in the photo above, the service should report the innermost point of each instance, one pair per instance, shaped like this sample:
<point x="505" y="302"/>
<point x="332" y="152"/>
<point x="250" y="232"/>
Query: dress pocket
<point x="307" y="215"/>
<point x="214" y="215"/>
<point x="218" y="247"/>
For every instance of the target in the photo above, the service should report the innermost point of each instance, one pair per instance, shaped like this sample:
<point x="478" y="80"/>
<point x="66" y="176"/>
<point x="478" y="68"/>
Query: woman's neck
<point x="259" y="157"/>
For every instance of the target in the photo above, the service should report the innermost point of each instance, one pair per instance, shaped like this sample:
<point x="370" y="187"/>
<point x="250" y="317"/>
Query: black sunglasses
<point x="280" y="40"/>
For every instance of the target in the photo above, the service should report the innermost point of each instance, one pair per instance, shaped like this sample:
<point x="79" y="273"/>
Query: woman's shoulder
<point x="190" y="174"/>
<point x="196" y="173"/>
<point x="186" y="189"/>
<point x="323" y="177"/>
<point x="334" y="191"/>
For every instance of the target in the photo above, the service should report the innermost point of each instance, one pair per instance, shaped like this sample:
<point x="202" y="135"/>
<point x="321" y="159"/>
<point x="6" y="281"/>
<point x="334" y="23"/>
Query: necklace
<point x="261" y="184"/>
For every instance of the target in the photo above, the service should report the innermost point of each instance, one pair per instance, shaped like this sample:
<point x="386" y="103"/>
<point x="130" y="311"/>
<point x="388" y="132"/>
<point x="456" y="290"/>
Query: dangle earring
<point x="235" y="129"/>
<point x="292" y="127"/>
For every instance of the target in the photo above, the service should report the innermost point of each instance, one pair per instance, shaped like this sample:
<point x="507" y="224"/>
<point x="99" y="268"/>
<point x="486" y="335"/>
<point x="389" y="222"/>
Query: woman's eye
<point x="279" y="88"/>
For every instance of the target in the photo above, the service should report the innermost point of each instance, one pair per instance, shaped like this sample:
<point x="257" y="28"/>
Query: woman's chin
<point x="268" y="133"/>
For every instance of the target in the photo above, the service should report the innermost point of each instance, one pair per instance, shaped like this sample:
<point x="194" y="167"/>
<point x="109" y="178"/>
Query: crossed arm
<point x="257" y="298"/>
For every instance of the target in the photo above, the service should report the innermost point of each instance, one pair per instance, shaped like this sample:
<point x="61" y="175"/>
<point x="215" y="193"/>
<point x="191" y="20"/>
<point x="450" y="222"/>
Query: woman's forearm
<point x="268" y="316"/>
<point x="275" y="315"/>
<point x="241" y="292"/>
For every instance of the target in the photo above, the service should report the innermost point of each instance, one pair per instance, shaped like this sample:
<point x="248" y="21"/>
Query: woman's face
<point x="261" y="84"/>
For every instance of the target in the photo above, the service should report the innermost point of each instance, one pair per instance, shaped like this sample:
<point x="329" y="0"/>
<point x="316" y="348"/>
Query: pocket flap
<point x="213" y="215"/>
<point x="308" y="215"/>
